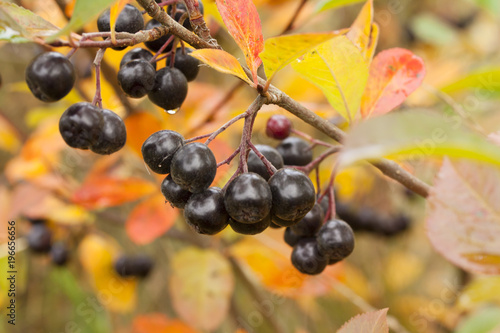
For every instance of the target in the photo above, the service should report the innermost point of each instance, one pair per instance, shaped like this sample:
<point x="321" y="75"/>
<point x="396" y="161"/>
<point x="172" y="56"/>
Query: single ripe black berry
<point x="295" y="151"/>
<point x="155" y="45"/>
<point x="59" y="254"/>
<point x="128" y="266"/>
<point x="173" y="193"/>
<point x="205" y="212"/>
<point x="36" y="220"/>
<point x="50" y="76"/>
<point x="194" y="167"/>
<point x="159" y="149"/>
<point x="39" y="238"/>
<point x="293" y="194"/>
<point x="325" y="204"/>
<point x="291" y="238"/>
<point x="256" y="165"/>
<point x="189" y="66"/>
<point x="80" y="125"/>
<point x="307" y="258"/>
<point x="311" y="223"/>
<point x="180" y="10"/>
<point x="335" y="239"/>
<point x="129" y="20"/>
<point x="137" y="54"/>
<point x="278" y="127"/>
<point x="250" y="229"/>
<point x="143" y="265"/>
<point x="137" y="78"/>
<point x="170" y="88"/>
<point x="248" y="198"/>
<point x="113" y="134"/>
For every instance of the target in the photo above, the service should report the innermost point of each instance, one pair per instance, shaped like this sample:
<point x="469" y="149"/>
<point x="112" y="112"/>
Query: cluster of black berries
<point x="40" y="241"/>
<point x="138" y="76"/>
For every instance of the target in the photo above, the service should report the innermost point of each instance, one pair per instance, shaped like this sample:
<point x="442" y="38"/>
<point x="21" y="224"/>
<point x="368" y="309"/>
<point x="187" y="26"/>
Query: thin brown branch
<point x="290" y="24"/>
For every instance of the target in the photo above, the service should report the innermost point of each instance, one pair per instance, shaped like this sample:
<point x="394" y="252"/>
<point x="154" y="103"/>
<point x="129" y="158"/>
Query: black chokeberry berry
<point x="39" y="238"/>
<point x="113" y="134"/>
<point x="250" y="229"/>
<point x="291" y="238"/>
<point x="173" y="193"/>
<point x="189" y="66"/>
<point x="59" y="254"/>
<point x="335" y="239"/>
<point x="36" y="220"/>
<point x="128" y="266"/>
<point x="295" y="151"/>
<point x="194" y="167"/>
<point x="156" y="45"/>
<point x="248" y="198"/>
<point x="159" y="149"/>
<point x="256" y="165"/>
<point x="50" y="76"/>
<point x="170" y="88"/>
<point x="129" y="20"/>
<point x="278" y="127"/>
<point x="311" y="223"/>
<point x="293" y="194"/>
<point x="137" y="54"/>
<point x="81" y="124"/>
<point x="180" y="10"/>
<point x="205" y="212"/>
<point x="136" y="78"/>
<point x="307" y="258"/>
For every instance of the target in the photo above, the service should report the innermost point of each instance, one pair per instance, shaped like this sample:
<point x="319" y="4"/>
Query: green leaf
<point x="481" y="321"/>
<point x="84" y="12"/>
<point x="19" y="25"/>
<point x="332" y="4"/>
<point x="486" y="79"/>
<point x="415" y="133"/>
<point x="432" y="29"/>
<point x="339" y="69"/>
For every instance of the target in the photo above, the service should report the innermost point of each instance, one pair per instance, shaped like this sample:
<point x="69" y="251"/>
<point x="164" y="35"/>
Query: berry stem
<point x="167" y="3"/>
<point x="166" y="55"/>
<point x="307" y="169"/>
<point x="97" y="63"/>
<point x="270" y="168"/>
<point x="315" y="142"/>
<point x="163" y="47"/>
<point x="230" y="158"/>
<point x="224" y="127"/>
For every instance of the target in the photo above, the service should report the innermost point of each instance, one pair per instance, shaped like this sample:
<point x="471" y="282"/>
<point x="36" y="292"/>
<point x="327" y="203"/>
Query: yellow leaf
<point x="402" y="269"/>
<point x="201" y="287"/>
<point x="483" y="290"/>
<point x="369" y="52"/>
<point x="114" y="11"/>
<point x="363" y="33"/>
<point x="223" y="62"/>
<point x="282" y="50"/>
<point x="9" y="138"/>
<point x="332" y="66"/>
<point x="97" y="254"/>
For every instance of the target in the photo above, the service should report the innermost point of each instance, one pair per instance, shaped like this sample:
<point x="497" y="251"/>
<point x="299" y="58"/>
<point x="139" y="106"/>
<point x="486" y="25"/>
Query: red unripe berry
<point x="278" y="127"/>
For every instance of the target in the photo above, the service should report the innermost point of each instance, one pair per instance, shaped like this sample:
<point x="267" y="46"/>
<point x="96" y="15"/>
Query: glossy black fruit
<point x="335" y="239"/>
<point x="306" y="257"/>
<point x="248" y="198"/>
<point x="189" y="66"/>
<point x="155" y="45"/>
<point x="205" y="212"/>
<point x="59" y="254"/>
<point x="50" y="76"/>
<point x="39" y="238"/>
<point x="194" y="167"/>
<point x="295" y="151"/>
<point x="291" y="238"/>
<point x="36" y="220"/>
<point x="278" y="127"/>
<point x="170" y="88"/>
<point x="137" y="54"/>
<point x="311" y="223"/>
<point x="173" y="193"/>
<point x="113" y="134"/>
<point x="139" y="266"/>
<point x="159" y="149"/>
<point x="293" y="194"/>
<point x="180" y="10"/>
<point x="250" y="229"/>
<point x="256" y="165"/>
<point x="136" y="78"/>
<point x="81" y="124"/>
<point x="129" y="20"/>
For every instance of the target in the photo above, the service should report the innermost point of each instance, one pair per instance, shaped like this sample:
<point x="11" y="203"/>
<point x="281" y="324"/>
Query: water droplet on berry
<point x="174" y="111"/>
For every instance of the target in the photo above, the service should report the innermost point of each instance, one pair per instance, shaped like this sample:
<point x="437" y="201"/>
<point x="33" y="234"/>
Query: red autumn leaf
<point x="394" y="75"/>
<point x="150" y="219"/>
<point x="102" y="192"/>
<point x="159" y="323"/>
<point x="243" y="23"/>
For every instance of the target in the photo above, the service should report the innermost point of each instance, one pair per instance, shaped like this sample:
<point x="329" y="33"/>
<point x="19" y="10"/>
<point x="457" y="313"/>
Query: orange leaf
<point x="221" y="61"/>
<point x="150" y="219"/>
<point x="394" y="75"/>
<point x="140" y="126"/>
<point x="221" y="151"/>
<point x="243" y="23"/>
<point x="159" y="323"/>
<point x="114" y="11"/>
<point x="101" y="192"/>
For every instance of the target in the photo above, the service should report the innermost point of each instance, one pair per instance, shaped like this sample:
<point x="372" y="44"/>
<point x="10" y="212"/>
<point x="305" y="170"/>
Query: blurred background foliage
<point x="103" y="206"/>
